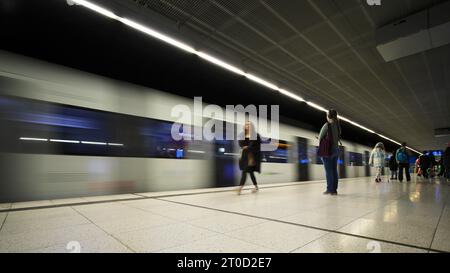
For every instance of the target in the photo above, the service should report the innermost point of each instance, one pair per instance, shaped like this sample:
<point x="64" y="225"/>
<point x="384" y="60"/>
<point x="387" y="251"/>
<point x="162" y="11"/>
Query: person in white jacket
<point x="377" y="160"/>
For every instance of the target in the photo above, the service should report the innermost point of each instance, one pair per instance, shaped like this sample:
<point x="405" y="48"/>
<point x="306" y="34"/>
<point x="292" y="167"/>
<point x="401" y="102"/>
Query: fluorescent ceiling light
<point x="93" y="143"/>
<point x="414" y="150"/>
<point x="261" y="81"/>
<point x="96" y="8"/>
<point x="356" y="124"/>
<point x="220" y="63"/>
<point x="318" y="107"/>
<point x="33" y="139"/>
<point x="115" y="144"/>
<point x="385" y="137"/>
<point x="157" y="35"/>
<point x="291" y="95"/>
<point x="210" y="59"/>
<point x="64" y="141"/>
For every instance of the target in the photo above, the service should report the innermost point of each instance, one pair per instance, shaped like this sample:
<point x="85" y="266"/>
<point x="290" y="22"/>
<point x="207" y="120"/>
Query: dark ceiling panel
<point x="323" y="36"/>
<point x="299" y="14"/>
<point x="352" y="30"/>
<point x="280" y="57"/>
<point x="238" y="7"/>
<point x="268" y="24"/>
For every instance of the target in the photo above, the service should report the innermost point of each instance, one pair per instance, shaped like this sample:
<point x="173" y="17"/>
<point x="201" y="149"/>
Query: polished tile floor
<point x="297" y="218"/>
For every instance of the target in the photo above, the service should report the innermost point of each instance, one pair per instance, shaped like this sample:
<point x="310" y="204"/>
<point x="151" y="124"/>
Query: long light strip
<point x="64" y="141"/>
<point x="356" y="124"/>
<point x="96" y="8"/>
<point x="93" y="143"/>
<point x="189" y="49"/>
<point x="196" y="152"/>
<point x="318" y="107"/>
<point x="33" y="139"/>
<point x="220" y="63"/>
<point x="157" y="35"/>
<point x="262" y="82"/>
<point x="291" y="95"/>
<point x="69" y="141"/>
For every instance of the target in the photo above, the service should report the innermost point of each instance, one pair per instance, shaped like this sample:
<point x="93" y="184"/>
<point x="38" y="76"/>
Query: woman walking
<point x="250" y="160"/>
<point x="329" y="138"/>
<point x="377" y="158"/>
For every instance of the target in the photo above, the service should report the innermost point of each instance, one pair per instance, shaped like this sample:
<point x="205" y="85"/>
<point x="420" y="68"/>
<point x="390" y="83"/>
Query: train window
<point x="196" y="149"/>
<point x="227" y="148"/>
<point x="355" y="159"/>
<point x="158" y="141"/>
<point x="280" y="155"/>
<point x="48" y="128"/>
<point x="312" y="155"/>
<point x="313" y="158"/>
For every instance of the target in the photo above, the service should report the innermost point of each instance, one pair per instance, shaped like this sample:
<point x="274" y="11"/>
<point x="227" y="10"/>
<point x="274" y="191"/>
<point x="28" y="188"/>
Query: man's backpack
<point x="402" y="157"/>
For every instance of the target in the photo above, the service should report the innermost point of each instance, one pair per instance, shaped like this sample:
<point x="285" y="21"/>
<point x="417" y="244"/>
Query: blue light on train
<point x="304" y="161"/>
<point x="229" y="171"/>
<point x="340" y="162"/>
<point x="180" y="153"/>
<point x="7" y="102"/>
<point x="57" y="120"/>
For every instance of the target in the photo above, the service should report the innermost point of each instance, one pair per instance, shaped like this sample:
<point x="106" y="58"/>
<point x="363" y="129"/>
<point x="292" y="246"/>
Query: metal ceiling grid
<point x="326" y="49"/>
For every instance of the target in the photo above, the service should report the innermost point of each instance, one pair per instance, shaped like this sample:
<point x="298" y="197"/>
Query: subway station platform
<point x="288" y="218"/>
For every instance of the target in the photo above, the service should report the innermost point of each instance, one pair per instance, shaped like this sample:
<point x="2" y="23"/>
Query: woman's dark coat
<point x="254" y="147"/>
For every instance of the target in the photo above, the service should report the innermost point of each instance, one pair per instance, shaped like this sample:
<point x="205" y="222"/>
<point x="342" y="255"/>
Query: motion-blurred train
<point x="66" y="133"/>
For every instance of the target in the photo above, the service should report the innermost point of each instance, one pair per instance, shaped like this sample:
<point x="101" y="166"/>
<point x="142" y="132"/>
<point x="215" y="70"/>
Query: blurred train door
<point x="226" y="157"/>
<point x="225" y="163"/>
<point x="342" y="163"/>
<point x="366" y="163"/>
<point x="303" y="161"/>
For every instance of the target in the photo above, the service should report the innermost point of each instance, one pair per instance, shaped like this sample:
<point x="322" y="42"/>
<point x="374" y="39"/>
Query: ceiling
<point x="324" y="50"/>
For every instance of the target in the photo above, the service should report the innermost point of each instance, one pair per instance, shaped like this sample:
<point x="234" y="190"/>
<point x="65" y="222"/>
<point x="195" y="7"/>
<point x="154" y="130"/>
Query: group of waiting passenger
<point x="426" y="165"/>
<point x="398" y="162"/>
<point x="329" y="138"/>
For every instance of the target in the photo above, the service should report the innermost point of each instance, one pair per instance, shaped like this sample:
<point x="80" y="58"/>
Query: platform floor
<point x="365" y="217"/>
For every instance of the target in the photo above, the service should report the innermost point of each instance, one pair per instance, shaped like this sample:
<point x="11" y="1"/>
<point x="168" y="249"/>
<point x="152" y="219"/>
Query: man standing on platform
<point x="402" y="158"/>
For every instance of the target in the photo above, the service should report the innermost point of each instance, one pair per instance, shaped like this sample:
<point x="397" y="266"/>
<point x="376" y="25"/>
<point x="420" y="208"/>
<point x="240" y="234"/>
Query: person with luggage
<point x="393" y="167"/>
<point x="377" y="160"/>
<point x="329" y="138"/>
<point x="250" y="161"/>
<point x="402" y="158"/>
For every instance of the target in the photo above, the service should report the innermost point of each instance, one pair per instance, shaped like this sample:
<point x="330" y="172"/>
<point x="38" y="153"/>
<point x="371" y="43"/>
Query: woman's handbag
<point x="326" y="144"/>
